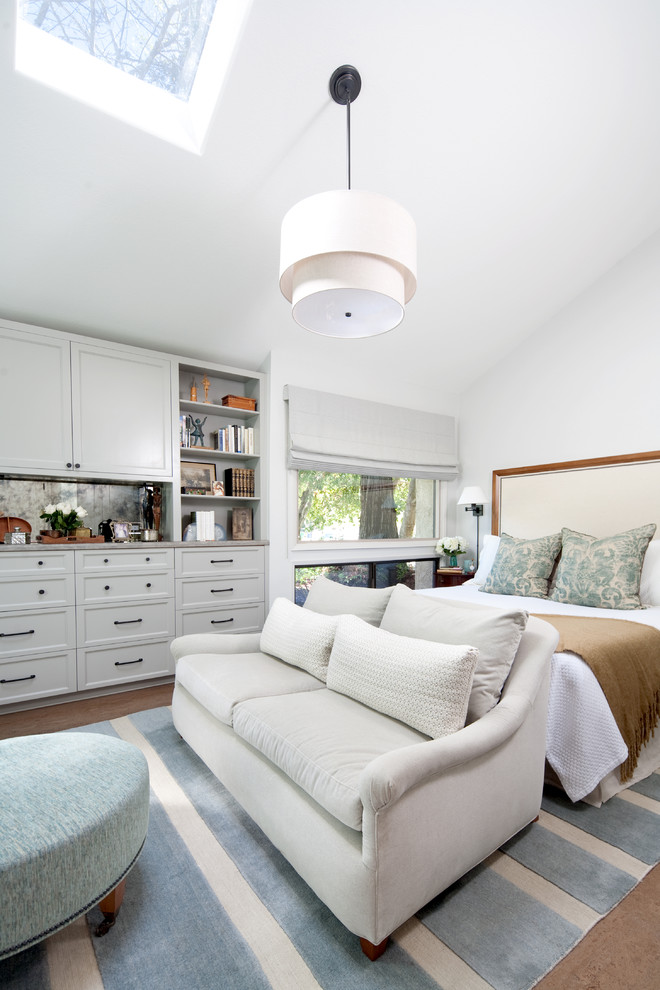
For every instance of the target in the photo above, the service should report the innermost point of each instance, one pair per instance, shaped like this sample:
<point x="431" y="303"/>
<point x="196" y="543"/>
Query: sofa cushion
<point x="495" y="632"/>
<point x="422" y="683"/>
<point x="332" y="598"/>
<point x="322" y="741"/>
<point x="220" y="681"/>
<point x="302" y="638"/>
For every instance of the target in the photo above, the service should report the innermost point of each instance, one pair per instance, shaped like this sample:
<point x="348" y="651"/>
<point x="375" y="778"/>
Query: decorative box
<point x="239" y="402"/>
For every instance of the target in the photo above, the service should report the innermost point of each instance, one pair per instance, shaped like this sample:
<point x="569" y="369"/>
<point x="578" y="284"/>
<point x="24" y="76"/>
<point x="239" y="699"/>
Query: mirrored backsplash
<point x="27" y="500"/>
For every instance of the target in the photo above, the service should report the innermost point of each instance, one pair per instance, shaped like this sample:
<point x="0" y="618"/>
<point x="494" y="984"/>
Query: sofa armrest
<point x="184" y="646"/>
<point x="386" y="778"/>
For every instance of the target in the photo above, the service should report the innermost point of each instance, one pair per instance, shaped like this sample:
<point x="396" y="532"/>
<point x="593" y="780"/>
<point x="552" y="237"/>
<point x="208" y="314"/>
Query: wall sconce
<point x="474" y="500"/>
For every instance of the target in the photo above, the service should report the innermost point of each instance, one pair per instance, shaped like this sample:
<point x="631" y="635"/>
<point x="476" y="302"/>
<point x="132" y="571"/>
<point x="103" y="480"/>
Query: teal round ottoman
<point x="74" y="809"/>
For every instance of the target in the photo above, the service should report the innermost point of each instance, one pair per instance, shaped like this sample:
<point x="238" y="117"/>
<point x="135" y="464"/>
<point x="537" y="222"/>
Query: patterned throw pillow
<point x="523" y="567"/>
<point x="426" y="685"/>
<point x="602" y="573"/>
<point x="303" y="639"/>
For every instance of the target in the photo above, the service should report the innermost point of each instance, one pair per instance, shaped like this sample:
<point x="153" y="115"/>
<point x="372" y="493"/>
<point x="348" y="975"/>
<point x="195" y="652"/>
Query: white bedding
<point x="584" y="745"/>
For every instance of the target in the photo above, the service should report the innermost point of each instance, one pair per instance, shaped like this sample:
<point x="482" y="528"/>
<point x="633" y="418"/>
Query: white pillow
<point x="649" y="586"/>
<point x="301" y="638"/>
<point x="494" y="632"/>
<point x="486" y="558"/>
<point x="332" y="598"/>
<point x="426" y="685"/>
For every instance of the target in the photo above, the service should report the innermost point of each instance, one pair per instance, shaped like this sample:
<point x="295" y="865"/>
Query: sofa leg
<point x="373" y="951"/>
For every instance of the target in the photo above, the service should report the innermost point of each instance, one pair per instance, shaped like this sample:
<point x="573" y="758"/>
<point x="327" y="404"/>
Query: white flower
<point x="49" y="509"/>
<point x="451" y="545"/>
<point x="63" y="507"/>
<point x="80" y="511"/>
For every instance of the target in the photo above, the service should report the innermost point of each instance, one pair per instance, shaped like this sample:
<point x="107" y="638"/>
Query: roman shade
<point x="337" y="433"/>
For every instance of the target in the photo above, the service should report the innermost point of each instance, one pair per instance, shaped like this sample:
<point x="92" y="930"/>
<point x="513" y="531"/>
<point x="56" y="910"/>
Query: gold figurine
<point x="193" y="391"/>
<point x="206" y="383"/>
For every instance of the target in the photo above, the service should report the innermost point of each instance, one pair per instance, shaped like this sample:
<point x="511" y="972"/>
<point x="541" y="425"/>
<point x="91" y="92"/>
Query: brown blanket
<point x="625" y="658"/>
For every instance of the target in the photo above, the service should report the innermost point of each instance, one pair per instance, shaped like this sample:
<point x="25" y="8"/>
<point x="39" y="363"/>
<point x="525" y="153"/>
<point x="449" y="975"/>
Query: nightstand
<point x="450" y="577"/>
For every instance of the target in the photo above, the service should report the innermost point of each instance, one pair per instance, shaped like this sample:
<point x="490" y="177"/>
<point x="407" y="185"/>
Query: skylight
<point x="158" y="64"/>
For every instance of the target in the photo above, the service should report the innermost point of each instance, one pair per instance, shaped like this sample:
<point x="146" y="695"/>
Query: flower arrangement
<point x="451" y="546"/>
<point x="64" y="516"/>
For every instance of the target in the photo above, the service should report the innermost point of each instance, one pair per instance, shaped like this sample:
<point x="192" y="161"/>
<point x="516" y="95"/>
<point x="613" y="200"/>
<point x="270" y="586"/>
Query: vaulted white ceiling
<point x="523" y="136"/>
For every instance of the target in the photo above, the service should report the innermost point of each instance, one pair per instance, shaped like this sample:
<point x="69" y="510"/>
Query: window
<point x="415" y="574"/>
<point x="153" y="40"/>
<point x="156" y="64"/>
<point x="335" y="507"/>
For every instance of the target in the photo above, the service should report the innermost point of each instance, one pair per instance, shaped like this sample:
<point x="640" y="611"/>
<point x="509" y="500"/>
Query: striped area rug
<point x="212" y="904"/>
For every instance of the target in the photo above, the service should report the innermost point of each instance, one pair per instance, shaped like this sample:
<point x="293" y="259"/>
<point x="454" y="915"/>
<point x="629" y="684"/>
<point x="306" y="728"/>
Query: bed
<point x="586" y="752"/>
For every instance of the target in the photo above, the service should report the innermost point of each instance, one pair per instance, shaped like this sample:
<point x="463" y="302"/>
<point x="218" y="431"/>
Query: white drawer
<point x="241" y="618"/>
<point x="220" y="591"/>
<point x="35" y="631"/>
<point x="101" y="624"/>
<point x="124" y="559"/>
<point x="46" y="591"/>
<point x="193" y="562"/>
<point x="119" y="664"/>
<point x="32" y="562"/>
<point x="92" y="588"/>
<point x="41" y="677"/>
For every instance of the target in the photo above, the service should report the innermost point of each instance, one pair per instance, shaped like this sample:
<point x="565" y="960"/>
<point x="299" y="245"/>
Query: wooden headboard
<point x="600" y="496"/>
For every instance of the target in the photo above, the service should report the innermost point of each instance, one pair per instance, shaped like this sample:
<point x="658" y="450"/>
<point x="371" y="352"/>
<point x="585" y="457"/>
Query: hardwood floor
<point x="622" y="952"/>
<point x="54" y="718"/>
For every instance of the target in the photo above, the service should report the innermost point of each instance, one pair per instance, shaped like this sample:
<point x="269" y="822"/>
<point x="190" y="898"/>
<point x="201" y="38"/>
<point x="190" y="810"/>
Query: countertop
<point x="127" y="545"/>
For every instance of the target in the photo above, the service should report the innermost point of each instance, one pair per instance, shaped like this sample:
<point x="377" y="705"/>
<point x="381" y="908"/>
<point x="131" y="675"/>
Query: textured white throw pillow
<point x="488" y="554"/>
<point x="649" y="589"/>
<point x="301" y="638"/>
<point x="332" y="598"/>
<point x="495" y="633"/>
<point x="424" y="684"/>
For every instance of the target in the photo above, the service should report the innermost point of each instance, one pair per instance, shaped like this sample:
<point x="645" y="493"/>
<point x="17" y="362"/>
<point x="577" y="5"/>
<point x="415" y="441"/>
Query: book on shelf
<point x="234" y="439"/>
<point x="239" y="482"/>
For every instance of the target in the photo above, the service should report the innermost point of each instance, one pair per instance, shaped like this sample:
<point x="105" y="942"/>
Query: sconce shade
<point x="472" y="495"/>
<point x="348" y="262"/>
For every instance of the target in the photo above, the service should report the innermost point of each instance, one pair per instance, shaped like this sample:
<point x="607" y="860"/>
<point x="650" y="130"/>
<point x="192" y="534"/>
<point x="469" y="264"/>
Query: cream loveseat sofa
<point x="342" y="735"/>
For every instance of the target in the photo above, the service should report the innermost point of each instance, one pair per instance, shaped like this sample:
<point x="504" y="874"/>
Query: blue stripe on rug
<point x="331" y="952"/>
<point x="27" y="970"/>
<point x="618" y="822"/>
<point x="650" y="786"/>
<point x="506" y="935"/>
<point x="574" y="870"/>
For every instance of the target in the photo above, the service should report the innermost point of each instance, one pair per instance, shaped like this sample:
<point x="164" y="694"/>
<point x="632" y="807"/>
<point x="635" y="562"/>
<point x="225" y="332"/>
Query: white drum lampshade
<point x="348" y="263"/>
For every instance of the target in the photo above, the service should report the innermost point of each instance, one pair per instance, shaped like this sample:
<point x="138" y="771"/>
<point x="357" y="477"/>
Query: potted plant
<point x="63" y="518"/>
<point x="451" y="546"/>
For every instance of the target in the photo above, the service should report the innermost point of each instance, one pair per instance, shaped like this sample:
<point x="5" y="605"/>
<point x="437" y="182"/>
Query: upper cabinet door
<point x="122" y="412"/>
<point x="35" y="402"/>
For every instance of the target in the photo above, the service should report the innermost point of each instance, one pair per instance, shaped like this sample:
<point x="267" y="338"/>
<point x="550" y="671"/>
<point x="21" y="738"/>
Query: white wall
<point x="343" y="367"/>
<point x="585" y="385"/>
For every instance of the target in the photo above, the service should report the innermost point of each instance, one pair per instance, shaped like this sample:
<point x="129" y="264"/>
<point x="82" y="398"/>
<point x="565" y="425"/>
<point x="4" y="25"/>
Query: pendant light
<point x="348" y="259"/>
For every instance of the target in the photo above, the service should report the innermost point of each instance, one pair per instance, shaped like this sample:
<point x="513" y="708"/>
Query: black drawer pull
<point x="26" y="632"/>
<point x="106" y="587"/>
<point x="126" y="622"/>
<point x="124" y="663"/>
<point x="230" y="561"/>
<point x="147" y="559"/>
<point x="12" y="680"/>
<point x="42" y="591"/>
<point x="148" y="584"/>
<point x="219" y="622"/>
<point x="106" y="560"/>
<point x="40" y="562"/>
<point x="218" y="591"/>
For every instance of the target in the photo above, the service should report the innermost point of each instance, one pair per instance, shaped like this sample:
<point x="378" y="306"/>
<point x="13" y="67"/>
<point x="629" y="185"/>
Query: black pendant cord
<point x="348" y="143"/>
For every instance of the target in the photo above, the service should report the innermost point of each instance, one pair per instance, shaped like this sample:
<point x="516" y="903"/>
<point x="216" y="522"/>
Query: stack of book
<point x="205" y="524"/>
<point x="239" y="482"/>
<point x="234" y="439"/>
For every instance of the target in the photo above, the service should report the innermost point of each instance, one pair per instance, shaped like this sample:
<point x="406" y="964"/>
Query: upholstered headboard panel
<point x="601" y="496"/>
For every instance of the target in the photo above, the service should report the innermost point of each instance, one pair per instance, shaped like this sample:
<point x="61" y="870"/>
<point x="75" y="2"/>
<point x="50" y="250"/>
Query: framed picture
<point x="241" y="524"/>
<point x="218" y="488"/>
<point x="197" y="475"/>
<point x="121" y="531"/>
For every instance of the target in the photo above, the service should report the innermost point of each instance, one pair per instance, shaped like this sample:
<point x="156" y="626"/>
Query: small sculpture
<point x="196" y="432"/>
<point x="193" y="391"/>
<point x="207" y="384"/>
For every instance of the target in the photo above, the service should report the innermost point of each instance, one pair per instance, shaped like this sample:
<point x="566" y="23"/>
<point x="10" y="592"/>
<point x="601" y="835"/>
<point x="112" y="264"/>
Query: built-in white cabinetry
<point x="219" y="589"/>
<point x="202" y="388"/>
<point x="125" y="615"/>
<point x="37" y="625"/>
<point x="93" y="410"/>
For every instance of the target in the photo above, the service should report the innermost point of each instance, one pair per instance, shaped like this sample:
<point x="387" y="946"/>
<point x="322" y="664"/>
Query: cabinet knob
<point x="107" y="587"/>
<point x="42" y="591"/>
<point x="69" y="464"/>
<point x="147" y="559"/>
<point x="77" y="465"/>
<point x="40" y="562"/>
<point x="105" y="560"/>
<point x="148" y="584"/>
